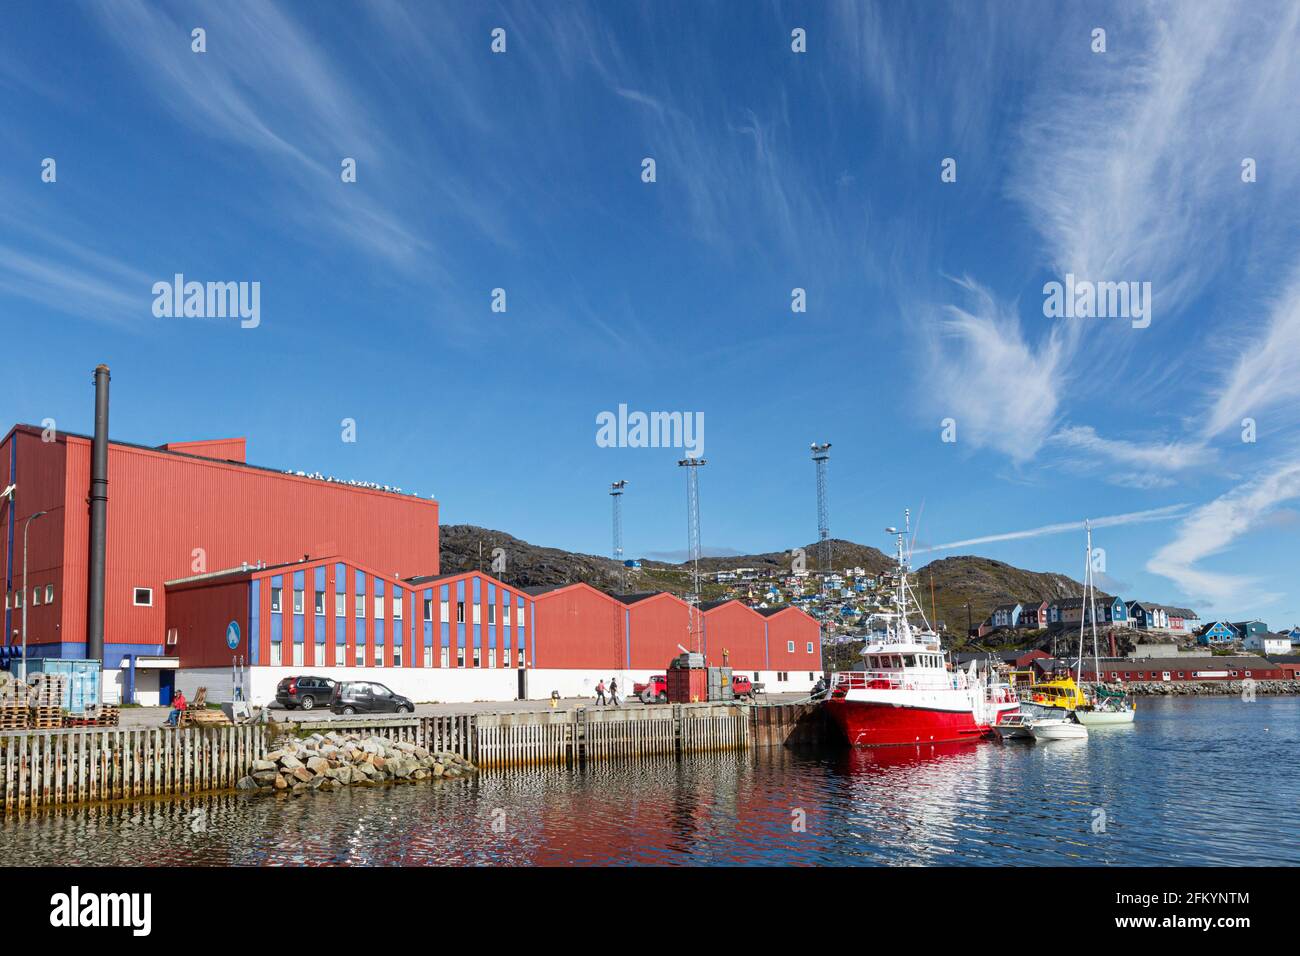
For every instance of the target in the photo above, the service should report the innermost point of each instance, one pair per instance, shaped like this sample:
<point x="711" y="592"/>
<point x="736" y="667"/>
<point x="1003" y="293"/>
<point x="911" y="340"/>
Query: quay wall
<point x="44" y="768"/>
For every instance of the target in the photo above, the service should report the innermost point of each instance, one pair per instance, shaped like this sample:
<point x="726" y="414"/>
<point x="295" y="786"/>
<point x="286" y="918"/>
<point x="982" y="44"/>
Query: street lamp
<point x="26" y="525"/>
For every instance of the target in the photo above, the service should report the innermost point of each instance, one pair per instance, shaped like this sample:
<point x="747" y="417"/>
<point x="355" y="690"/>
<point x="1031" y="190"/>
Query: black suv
<point x="304" y="692"/>
<point x="367" y="697"/>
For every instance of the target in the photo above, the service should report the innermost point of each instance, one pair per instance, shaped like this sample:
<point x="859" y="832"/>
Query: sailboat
<point x="1107" y="706"/>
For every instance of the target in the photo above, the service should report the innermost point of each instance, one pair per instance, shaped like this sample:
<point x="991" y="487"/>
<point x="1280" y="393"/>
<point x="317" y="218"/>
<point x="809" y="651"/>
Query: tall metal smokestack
<point x="98" y="518"/>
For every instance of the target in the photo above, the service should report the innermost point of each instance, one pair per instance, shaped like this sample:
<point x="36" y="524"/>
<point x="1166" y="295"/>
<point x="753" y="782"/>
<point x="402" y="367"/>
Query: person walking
<point x="600" y="693"/>
<point x="613" y="691"/>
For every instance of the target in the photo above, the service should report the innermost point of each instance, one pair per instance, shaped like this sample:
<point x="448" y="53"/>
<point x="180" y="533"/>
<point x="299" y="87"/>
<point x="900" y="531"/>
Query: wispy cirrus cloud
<point x="1165" y="513"/>
<point x="1266" y="373"/>
<point x="1212" y="528"/>
<point x="1002" y="390"/>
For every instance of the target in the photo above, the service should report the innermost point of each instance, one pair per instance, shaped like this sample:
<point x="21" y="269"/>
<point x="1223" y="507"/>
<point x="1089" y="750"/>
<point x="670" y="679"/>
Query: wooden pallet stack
<point x="108" y="715"/>
<point x="48" y="690"/>
<point x="13" y="715"/>
<point x="46" y="717"/>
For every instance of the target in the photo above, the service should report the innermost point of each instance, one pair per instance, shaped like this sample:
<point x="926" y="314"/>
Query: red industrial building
<point x="1167" y="669"/>
<point x="174" y="511"/>
<point x="208" y="558"/>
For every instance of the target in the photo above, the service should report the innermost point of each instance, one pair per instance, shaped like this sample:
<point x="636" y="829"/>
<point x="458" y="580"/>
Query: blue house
<point x="1005" y="615"/>
<point x="1294" y="634"/>
<point x="1217" y="632"/>
<point x="1113" y="612"/>
<point x="1247" y="629"/>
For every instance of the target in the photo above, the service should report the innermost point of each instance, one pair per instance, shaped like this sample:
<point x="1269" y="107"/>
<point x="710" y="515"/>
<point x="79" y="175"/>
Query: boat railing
<point x="896" y="680"/>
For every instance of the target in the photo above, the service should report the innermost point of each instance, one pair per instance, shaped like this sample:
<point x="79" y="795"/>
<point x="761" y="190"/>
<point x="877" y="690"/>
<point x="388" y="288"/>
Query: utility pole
<point x="692" y="466"/>
<point x="616" y="492"/>
<point x="821" y="455"/>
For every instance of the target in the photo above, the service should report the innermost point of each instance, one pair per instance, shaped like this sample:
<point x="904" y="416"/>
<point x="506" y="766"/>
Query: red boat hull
<point x="866" y="724"/>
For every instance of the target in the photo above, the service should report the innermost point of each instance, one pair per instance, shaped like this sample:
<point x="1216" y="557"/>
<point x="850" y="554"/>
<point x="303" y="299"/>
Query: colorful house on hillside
<point x="1033" y="615"/>
<point x="1005" y="615"/>
<point x="1268" y="644"/>
<point x="1246" y="629"/>
<point x="1183" y="619"/>
<point x="1216" y="632"/>
<point x="1294" y="635"/>
<point x="1146" y="616"/>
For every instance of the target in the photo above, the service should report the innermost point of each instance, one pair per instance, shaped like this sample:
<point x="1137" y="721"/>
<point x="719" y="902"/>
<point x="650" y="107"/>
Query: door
<point x="523" y="684"/>
<point x="384" y="701"/>
<point x="166" y="687"/>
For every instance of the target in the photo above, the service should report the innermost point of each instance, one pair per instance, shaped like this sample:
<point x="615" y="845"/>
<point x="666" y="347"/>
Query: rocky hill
<point x="981" y="582"/>
<point x="984" y="584"/>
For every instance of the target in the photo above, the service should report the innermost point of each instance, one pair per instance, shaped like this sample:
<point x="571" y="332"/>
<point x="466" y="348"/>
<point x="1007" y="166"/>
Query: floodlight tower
<point x="616" y="492"/>
<point x="692" y="466"/>
<point x="821" y="454"/>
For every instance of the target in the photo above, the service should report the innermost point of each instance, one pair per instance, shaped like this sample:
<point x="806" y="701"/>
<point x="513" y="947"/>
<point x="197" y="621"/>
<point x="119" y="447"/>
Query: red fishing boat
<point x="908" y="692"/>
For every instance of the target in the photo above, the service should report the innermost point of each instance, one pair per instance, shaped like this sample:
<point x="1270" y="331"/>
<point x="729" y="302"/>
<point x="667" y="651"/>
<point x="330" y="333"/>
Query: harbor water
<point x="1192" y="781"/>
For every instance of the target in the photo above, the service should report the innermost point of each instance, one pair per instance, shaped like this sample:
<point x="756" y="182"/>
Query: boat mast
<point x="1092" y="590"/>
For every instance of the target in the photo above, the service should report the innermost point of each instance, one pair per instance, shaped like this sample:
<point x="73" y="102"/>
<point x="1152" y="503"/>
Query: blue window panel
<point x="320" y="630"/>
<point x="443" y="625"/>
<point x="379" y="633"/>
<point x="254" y="620"/>
<point x="428" y="633"/>
<point x="298" y="579"/>
<point x="277" y="627"/>
<point x="297" y="629"/>
<point x="319" y="578"/>
<point x="460" y="626"/>
<point x="379" y="587"/>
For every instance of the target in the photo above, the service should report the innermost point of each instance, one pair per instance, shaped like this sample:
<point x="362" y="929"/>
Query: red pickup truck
<point x="653" y="692"/>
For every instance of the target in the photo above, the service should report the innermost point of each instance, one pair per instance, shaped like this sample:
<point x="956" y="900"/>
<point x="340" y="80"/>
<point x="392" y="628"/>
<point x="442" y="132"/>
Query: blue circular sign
<point x="232" y="635"/>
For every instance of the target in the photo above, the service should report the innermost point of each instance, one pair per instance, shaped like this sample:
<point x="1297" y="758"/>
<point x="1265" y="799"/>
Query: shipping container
<point x="84" y="684"/>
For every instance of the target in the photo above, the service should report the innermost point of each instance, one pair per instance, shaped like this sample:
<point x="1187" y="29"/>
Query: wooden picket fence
<point x="44" y="768"/>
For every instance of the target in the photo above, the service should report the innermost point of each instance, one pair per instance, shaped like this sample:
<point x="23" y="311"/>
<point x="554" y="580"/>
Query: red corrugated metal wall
<point x="40" y="479"/>
<point x="200" y="616"/>
<point x="579" y="627"/>
<point x="794" y="625"/>
<point x="163" y="507"/>
<point x="739" y="630"/>
<point x="222" y="449"/>
<point x="658" y="625"/>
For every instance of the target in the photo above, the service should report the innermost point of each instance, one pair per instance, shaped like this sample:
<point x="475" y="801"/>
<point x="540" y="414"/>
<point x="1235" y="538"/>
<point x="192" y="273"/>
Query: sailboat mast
<point x="1092" y="591"/>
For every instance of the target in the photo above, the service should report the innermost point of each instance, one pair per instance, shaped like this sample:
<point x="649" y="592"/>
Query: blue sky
<point x="775" y="170"/>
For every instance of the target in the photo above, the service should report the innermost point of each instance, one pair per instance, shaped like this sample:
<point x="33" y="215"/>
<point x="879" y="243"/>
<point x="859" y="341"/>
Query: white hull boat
<point x="1055" y="728"/>
<point x="1105" y="718"/>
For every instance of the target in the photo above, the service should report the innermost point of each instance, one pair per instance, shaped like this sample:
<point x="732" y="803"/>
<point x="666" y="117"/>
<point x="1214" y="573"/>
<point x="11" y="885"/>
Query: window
<point x="789" y="646"/>
<point x="445" y="612"/>
<point x="460" y="657"/>
<point x="297" y="654"/>
<point x="340" y="655"/>
<point x="276" y="658"/>
<point x="340" y="604"/>
<point x="445" y="657"/>
<point x="476" y="658"/>
<point x="492" y="613"/>
<point x="36" y="596"/>
<point x="521" y="616"/>
<point x="476" y="613"/>
<point x="171" y="636"/>
<point x="297" y="600"/>
<point x="492" y="656"/>
<point x="505" y="615"/>
<point x="428" y="609"/>
<point x="361" y="655"/>
<point x="361" y="605"/>
<point x="379" y="607"/>
<point x="521" y="657"/>
<point x="318" y="603"/>
<point x="460" y="612"/>
<point x="428" y="655"/>
<point x="397" y="605"/>
<point x="275" y="600"/>
<point x="143" y="597"/>
<point x="810" y="675"/>
<point x="397" y="655"/>
<point x="810" y="644"/>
